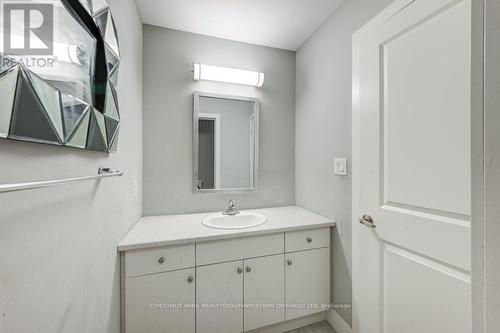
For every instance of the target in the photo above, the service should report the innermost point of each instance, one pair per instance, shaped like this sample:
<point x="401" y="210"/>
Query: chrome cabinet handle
<point x="289" y="262"/>
<point x="161" y="260"/>
<point x="309" y="239"/>
<point x="248" y="269"/>
<point x="367" y="220"/>
<point x="190" y="279"/>
<point x="239" y="270"/>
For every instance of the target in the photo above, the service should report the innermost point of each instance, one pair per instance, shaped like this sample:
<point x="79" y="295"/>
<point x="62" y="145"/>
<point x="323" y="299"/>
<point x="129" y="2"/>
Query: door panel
<point x="410" y="308"/>
<point x="219" y="295"/>
<point x="426" y="135"/>
<point x="404" y="183"/>
<point x="413" y="169"/>
<point x="264" y="291"/>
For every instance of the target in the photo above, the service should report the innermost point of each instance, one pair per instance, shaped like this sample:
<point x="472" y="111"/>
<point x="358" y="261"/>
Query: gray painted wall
<point x="59" y="268"/>
<point x="323" y="129"/>
<point x="168" y="104"/>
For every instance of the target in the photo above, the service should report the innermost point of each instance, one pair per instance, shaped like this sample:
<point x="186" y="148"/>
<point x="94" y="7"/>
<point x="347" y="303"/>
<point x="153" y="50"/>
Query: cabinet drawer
<point x="164" y="259"/>
<point x="238" y="248"/>
<point x="307" y="239"/>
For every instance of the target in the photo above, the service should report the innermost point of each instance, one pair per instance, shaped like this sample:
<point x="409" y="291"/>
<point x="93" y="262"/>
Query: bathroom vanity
<point x="178" y="275"/>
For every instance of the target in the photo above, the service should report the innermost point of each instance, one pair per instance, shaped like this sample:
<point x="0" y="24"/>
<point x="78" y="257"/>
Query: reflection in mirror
<point x="225" y="142"/>
<point x="58" y="83"/>
<point x="69" y="66"/>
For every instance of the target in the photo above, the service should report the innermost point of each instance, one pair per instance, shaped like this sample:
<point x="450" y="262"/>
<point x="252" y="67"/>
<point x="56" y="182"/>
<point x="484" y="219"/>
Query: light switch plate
<point x="340" y="166"/>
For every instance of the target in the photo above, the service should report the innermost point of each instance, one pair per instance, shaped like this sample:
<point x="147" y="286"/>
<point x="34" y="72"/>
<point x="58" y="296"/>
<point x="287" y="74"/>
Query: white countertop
<point x="165" y="230"/>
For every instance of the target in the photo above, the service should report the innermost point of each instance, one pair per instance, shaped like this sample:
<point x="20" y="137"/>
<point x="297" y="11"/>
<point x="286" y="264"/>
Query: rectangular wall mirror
<point x="225" y="143"/>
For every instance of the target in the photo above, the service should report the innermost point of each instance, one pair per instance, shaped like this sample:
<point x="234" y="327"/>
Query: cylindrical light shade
<point x="228" y="75"/>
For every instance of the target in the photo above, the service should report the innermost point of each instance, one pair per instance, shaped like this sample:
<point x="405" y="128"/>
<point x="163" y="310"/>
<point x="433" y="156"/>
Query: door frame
<point x="478" y="246"/>
<point x="216" y="119"/>
<point x="479" y="209"/>
<point x="391" y="10"/>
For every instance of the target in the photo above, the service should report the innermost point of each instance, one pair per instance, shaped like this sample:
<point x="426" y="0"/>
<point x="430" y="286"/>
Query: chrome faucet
<point x="231" y="210"/>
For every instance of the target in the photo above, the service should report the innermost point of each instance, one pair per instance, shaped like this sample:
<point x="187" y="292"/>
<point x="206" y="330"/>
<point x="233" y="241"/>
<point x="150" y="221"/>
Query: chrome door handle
<point x="367" y="220"/>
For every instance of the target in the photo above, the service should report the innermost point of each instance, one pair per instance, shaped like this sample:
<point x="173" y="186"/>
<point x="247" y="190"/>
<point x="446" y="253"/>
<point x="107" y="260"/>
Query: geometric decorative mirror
<point x="58" y="74"/>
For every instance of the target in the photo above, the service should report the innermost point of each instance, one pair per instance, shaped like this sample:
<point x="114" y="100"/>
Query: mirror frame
<point x="196" y="111"/>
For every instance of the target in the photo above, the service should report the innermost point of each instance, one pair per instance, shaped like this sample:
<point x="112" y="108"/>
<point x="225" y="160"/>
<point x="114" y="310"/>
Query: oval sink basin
<point x="241" y="221"/>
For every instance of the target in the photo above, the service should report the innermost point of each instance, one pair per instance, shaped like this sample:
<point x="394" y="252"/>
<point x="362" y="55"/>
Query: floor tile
<point x="322" y="327"/>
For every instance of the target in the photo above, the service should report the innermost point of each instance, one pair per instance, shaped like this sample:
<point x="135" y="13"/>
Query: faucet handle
<point x="231" y="210"/>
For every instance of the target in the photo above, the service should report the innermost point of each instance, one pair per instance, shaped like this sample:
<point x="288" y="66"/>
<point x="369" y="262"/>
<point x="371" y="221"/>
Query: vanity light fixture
<point x="228" y="75"/>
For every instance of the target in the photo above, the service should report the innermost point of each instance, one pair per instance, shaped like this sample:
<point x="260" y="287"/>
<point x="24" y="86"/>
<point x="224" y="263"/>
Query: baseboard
<point x="292" y="324"/>
<point x="337" y="322"/>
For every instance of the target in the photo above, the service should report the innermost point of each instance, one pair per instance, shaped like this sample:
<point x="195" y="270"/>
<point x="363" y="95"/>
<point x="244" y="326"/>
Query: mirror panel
<point x="225" y="142"/>
<point x="58" y="85"/>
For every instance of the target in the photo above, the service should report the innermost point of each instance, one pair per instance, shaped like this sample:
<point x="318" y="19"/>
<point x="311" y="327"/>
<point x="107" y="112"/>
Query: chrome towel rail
<point x="101" y="173"/>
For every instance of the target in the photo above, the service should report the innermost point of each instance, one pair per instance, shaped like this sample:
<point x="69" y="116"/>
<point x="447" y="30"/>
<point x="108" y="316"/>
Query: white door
<point x="161" y="302"/>
<point x="412" y="176"/>
<point x="264" y="291"/>
<point x="219" y="295"/>
<point x="307" y="282"/>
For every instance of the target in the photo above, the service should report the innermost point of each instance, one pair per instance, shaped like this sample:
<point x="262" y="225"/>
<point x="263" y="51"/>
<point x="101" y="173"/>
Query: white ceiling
<point x="283" y="24"/>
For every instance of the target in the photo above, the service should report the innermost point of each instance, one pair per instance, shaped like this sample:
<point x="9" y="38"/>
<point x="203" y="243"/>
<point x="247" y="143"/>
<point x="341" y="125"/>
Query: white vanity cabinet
<point x="226" y="285"/>
<point x="257" y="264"/>
<point x="158" y="301"/>
<point x="264" y="291"/>
<point x="240" y="295"/>
<point x="159" y="290"/>
<point x="307" y="282"/>
<point x="219" y="295"/>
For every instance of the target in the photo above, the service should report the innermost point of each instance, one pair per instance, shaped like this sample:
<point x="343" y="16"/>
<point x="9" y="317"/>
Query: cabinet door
<point x="160" y="303"/>
<point x="219" y="296"/>
<point x="264" y="288"/>
<point x="307" y="276"/>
